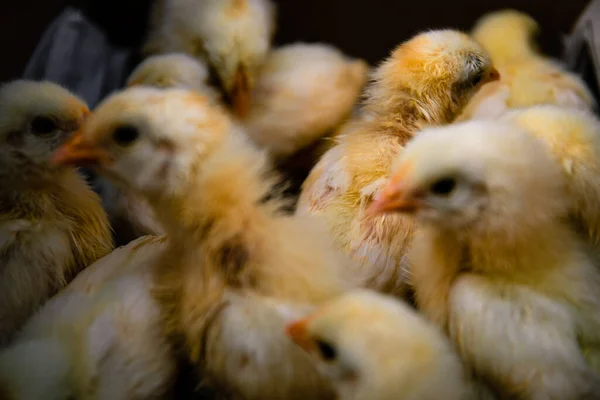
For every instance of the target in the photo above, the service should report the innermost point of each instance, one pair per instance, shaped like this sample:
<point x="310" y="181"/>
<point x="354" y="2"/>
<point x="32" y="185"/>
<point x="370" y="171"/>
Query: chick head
<point x="488" y="177"/>
<point x="506" y="34"/>
<point x="236" y="38"/>
<point x="35" y="119"/>
<point x="439" y="70"/>
<point x="374" y="347"/>
<point x="171" y="70"/>
<point x="149" y="139"/>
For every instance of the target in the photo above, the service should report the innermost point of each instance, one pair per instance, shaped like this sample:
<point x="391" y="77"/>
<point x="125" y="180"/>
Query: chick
<point x="573" y="137"/>
<point x="304" y="91"/>
<point x="495" y="264"/>
<point x="233" y="35"/>
<point x="174" y="70"/>
<point x="373" y="347"/>
<point x="52" y="225"/>
<point x="100" y="338"/>
<point x="528" y="77"/>
<point x="125" y="209"/>
<point x="231" y="250"/>
<point x="426" y="80"/>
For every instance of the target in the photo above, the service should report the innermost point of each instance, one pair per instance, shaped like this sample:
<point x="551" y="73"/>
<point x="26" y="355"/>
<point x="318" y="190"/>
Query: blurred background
<point x="363" y="29"/>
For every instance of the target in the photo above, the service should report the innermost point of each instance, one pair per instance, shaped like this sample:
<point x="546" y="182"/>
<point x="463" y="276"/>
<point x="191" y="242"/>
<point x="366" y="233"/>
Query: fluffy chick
<point x="426" y="80"/>
<point x="100" y="338"/>
<point x="528" y="77"/>
<point x="495" y="264"/>
<point x="211" y="190"/>
<point x="373" y="347"/>
<point x="174" y="70"/>
<point x="573" y="137"/>
<point x="52" y="225"/>
<point x="233" y="35"/>
<point x="304" y="91"/>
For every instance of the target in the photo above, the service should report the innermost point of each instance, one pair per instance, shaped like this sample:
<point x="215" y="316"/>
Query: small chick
<point x="234" y="36"/>
<point x="100" y="338"/>
<point x="229" y="244"/>
<point x="426" y="81"/>
<point x="375" y="348"/>
<point x="528" y="77"/>
<point x="304" y="91"/>
<point x="174" y="70"/>
<point x="52" y="225"/>
<point x="494" y="264"/>
<point x="573" y="136"/>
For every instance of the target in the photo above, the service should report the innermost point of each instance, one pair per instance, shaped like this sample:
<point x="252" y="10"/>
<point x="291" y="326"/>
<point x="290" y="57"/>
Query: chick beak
<point x="76" y="152"/>
<point x="396" y="197"/>
<point x="493" y="76"/>
<point x="240" y="94"/>
<point x="298" y="333"/>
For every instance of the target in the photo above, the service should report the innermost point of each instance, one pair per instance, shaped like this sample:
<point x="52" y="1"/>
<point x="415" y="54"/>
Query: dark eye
<point x="41" y="125"/>
<point x="326" y="350"/>
<point x="476" y="80"/>
<point x="125" y="135"/>
<point x="443" y="187"/>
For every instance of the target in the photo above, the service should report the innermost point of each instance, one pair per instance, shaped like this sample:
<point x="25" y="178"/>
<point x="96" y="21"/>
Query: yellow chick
<point x="373" y="347"/>
<point x="528" y="77"/>
<point x="211" y="190"/>
<point x="426" y="81"/>
<point x="233" y="35"/>
<point x="174" y="70"/>
<point x="573" y="136"/>
<point x="494" y="264"/>
<point x="100" y="338"/>
<point x="51" y="223"/>
<point x="304" y="91"/>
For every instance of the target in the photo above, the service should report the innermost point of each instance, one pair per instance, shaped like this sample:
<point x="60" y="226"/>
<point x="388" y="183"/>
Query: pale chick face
<point x="35" y="119"/>
<point x="478" y="176"/>
<point x="151" y="140"/>
<point x="442" y="69"/>
<point x="374" y="347"/>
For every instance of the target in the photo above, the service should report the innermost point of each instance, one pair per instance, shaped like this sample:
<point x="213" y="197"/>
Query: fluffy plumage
<point x="573" y="137"/>
<point x="494" y="262"/>
<point x="528" y="77"/>
<point x="100" y="338"/>
<point x="232" y="254"/>
<point x="427" y="80"/>
<point x="374" y="347"/>
<point x="52" y="225"/>
<point x="234" y="36"/>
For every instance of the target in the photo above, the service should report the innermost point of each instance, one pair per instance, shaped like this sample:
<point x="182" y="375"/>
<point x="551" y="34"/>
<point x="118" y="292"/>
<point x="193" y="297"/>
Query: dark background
<point x="363" y="28"/>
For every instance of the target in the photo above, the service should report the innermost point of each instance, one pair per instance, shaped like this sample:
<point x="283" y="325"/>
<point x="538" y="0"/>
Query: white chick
<point x="233" y="35"/>
<point x="100" y="338"/>
<point x="211" y="190"/>
<point x="495" y="264"/>
<point x="51" y="223"/>
<point x="373" y="347"/>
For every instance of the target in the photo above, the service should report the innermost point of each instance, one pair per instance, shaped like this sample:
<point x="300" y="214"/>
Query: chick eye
<point x="41" y="125"/>
<point x="476" y="80"/>
<point x="125" y="135"/>
<point x="326" y="350"/>
<point x="443" y="187"/>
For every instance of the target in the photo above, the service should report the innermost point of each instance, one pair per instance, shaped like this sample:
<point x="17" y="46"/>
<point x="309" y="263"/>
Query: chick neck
<point x="398" y="113"/>
<point x="225" y="194"/>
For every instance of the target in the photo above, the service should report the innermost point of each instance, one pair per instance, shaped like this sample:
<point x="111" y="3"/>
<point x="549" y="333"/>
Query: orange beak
<point x="76" y="152"/>
<point x="240" y="94"/>
<point x="395" y="197"/>
<point x="298" y="333"/>
<point x="493" y="76"/>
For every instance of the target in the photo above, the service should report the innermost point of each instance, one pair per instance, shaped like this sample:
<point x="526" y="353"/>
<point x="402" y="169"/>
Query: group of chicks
<point x="444" y="244"/>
